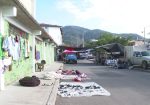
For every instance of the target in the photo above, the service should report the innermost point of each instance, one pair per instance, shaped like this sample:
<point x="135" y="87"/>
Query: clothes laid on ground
<point x="51" y="75"/>
<point x="75" y="75"/>
<point x="68" y="77"/>
<point x="46" y="84"/>
<point x="77" y="79"/>
<point x="29" y="81"/>
<point x="78" y="89"/>
<point x="71" y="72"/>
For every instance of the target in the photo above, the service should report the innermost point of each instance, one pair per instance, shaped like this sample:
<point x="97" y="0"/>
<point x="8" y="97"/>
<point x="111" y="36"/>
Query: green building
<point x="23" y="43"/>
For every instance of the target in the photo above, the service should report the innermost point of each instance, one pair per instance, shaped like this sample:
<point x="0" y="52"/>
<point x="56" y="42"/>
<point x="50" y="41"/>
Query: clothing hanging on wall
<point x="16" y="51"/>
<point x="1" y="52"/>
<point x="21" y="42"/>
<point x="22" y="47"/>
<point x="9" y="45"/>
<point x="12" y="45"/>
<point x="1" y="66"/>
<point x="37" y="55"/>
<point x="26" y="48"/>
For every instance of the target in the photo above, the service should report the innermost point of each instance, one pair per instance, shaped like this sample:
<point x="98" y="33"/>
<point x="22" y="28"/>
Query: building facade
<point x="30" y="6"/>
<point x="23" y="42"/>
<point x="55" y="32"/>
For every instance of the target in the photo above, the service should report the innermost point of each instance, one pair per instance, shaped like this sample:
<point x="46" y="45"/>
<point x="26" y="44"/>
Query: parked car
<point x="82" y="55"/>
<point x="138" y="55"/>
<point x="70" y="58"/>
<point x="90" y="56"/>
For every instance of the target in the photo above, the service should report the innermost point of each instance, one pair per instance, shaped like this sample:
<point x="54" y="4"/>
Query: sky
<point x="117" y="16"/>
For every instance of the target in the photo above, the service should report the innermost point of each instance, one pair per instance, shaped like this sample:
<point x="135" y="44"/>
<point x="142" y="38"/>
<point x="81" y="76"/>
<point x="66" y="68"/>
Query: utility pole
<point x="77" y="41"/>
<point x="83" y="39"/>
<point x="144" y="35"/>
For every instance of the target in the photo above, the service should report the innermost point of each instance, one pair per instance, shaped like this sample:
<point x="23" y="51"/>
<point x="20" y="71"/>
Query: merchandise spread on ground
<point x="75" y="75"/>
<point x="78" y="89"/>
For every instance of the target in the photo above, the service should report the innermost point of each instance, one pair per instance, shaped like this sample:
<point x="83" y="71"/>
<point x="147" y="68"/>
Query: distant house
<point x="136" y="42"/>
<point x="55" y="32"/>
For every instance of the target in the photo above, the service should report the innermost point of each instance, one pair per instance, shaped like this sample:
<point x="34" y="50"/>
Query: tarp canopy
<point x="113" y="47"/>
<point x="69" y="51"/>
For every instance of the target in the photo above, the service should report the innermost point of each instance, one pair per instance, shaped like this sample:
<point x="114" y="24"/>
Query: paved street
<point x="127" y="87"/>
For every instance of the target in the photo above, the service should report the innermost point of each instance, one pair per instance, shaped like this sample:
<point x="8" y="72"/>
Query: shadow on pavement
<point x="83" y="64"/>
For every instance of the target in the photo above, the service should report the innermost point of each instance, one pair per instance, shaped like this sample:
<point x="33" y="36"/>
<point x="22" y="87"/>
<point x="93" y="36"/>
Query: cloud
<point x="80" y="12"/>
<point x="127" y="15"/>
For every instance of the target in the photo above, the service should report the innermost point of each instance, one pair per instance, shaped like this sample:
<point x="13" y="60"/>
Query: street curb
<point x="53" y="94"/>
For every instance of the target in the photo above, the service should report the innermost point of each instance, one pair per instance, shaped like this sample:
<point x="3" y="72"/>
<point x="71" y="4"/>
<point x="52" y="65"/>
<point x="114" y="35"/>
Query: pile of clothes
<point x="76" y="75"/>
<point x="71" y="72"/>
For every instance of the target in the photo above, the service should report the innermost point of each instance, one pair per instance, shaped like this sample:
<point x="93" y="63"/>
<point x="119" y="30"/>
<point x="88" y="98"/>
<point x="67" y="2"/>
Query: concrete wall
<point x="55" y="34"/>
<point x="23" y="67"/>
<point x="30" y="5"/>
<point x="46" y="51"/>
<point x="49" y="53"/>
<point x="20" y="68"/>
<point x="39" y="47"/>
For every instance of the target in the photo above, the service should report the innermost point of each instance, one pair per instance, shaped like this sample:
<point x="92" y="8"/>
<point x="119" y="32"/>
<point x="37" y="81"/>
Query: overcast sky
<point x="117" y="16"/>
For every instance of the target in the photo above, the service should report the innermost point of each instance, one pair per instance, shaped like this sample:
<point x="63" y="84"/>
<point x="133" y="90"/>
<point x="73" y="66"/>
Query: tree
<point x="108" y="38"/>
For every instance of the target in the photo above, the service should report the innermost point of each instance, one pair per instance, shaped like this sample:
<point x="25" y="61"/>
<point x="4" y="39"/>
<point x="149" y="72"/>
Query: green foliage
<point x="73" y="35"/>
<point x="108" y="38"/>
<point x="90" y="44"/>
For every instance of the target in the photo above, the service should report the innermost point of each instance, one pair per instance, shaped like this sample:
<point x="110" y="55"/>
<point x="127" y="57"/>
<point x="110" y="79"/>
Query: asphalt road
<point x="127" y="87"/>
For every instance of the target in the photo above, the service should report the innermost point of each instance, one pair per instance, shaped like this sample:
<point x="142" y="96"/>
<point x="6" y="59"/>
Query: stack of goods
<point x="29" y="81"/>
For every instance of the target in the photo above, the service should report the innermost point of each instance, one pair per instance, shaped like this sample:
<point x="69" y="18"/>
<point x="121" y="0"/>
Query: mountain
<point x="75" y="35"/>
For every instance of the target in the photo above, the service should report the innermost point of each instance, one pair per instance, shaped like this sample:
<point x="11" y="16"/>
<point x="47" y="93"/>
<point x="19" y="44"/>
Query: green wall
<point x="39" y="47"/>
<point x="49" y="53"/>
<point x="20" y="68"/>
<point x="23" y="67"/>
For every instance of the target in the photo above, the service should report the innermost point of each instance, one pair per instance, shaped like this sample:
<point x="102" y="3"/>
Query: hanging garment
<point x="26" y="48"/>
<point x="7" y="61"/>
<point x="9" y="44"/>
<point x="22" y="47"/>
<point x="35" y="52"/>
<point x="1" y="67"/>
<point x="1" y="52"/>
<point x="16" y="38"/>
<point x="37" y="55"/>
<point x="5" y="54"/>
<point x="5" y="44"/>
<point x="16" y="55"/>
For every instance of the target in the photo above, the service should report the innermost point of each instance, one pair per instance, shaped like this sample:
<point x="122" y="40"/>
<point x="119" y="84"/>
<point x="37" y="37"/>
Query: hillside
<point x="73" y="35"/>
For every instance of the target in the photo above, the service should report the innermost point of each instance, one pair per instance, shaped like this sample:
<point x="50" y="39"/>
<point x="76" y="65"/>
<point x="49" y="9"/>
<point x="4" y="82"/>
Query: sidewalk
<point x="41" y="95"/>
